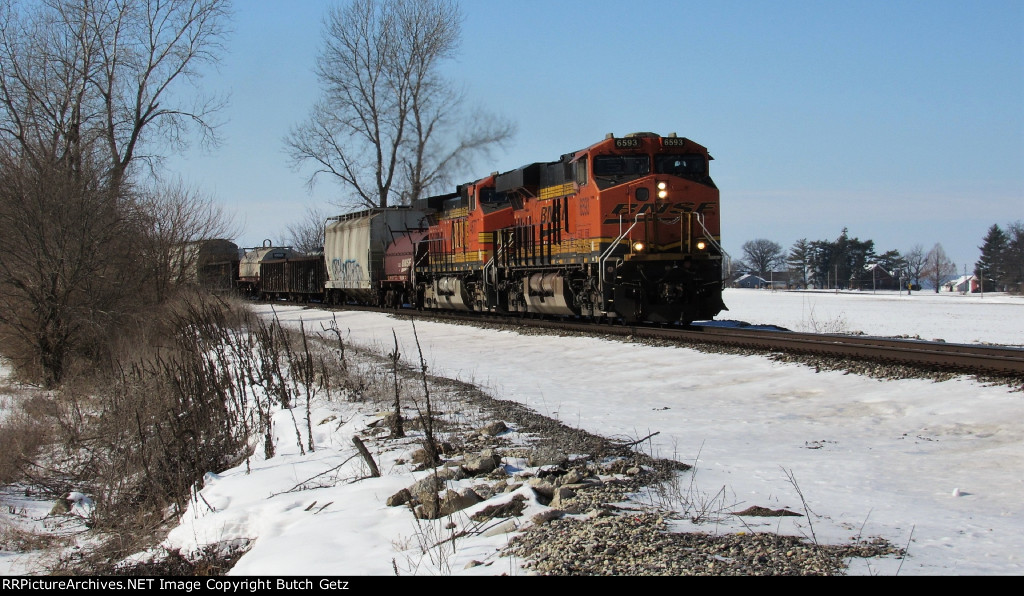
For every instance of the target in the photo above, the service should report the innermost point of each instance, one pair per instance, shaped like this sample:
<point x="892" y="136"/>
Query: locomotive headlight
<point x="638" y="247"/>
<point x="662" y="190"/>
<point x="662" y="185"/>
<point x="701" y="245"/>
<point x="662" y="194"/>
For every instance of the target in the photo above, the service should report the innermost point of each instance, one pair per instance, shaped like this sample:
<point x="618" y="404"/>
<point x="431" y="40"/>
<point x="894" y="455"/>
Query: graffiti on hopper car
<point x="349" y="272"/>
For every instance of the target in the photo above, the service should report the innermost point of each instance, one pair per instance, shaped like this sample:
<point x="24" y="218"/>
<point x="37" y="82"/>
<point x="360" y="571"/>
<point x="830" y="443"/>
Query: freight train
<point x="625" y="229"/>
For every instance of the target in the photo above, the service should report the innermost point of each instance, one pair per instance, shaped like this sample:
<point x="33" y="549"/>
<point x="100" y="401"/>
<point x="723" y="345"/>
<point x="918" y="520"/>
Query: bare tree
<point x="916" y="261"/>
<point x="172" y="215"/>
<point x="938" y="267"/>
<point x="307" y="234"/>
<point x="763" y="255"/>
<point x="74" y="72"/>
<point x="66" y="274"/>
<point x="388" y="123"/>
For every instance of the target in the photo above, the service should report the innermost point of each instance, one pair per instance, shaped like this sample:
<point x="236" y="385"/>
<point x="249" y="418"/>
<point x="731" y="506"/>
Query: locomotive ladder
<point x="492" y="265"/>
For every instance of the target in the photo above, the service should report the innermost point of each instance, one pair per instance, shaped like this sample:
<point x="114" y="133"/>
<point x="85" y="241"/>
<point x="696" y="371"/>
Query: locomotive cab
<point x="660" y="206"/>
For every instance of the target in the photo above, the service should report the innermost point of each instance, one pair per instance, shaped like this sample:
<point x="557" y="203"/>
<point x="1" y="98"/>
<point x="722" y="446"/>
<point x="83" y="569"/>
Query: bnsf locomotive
<point x="627" y="228"/>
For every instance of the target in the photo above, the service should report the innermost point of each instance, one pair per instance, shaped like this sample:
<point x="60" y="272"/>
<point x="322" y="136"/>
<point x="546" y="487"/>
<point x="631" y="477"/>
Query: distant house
<point x="875" y="277"/>
<point x="749" y="280"/>
<point x="962" y="284"/>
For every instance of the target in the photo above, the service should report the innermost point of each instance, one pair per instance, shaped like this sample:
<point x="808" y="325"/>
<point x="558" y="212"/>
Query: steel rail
<point x="964" y="358"/>
<point x="950" y="357"/>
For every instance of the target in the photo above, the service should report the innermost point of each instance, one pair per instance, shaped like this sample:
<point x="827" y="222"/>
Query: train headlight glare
<point x="662" y="194"/>
<point x="662" y="185"/>
<point x="638" y="246"/>
<point x="701" y="245"/>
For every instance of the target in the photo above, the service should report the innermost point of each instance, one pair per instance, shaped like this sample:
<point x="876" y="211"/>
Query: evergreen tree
<point x="1013" y="262"/>
<point x="797" y="259"/>
<point x="819" y="264"/>
<point x="892" y="261"/>
<point x="860" y="254"/>
<point x="990" y="268"/>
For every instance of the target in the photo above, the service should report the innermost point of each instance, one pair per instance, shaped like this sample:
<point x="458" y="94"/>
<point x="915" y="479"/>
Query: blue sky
<point x="902" y="121"/>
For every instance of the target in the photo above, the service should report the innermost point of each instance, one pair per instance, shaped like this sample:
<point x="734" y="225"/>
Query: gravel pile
<point x="640" y="543"/>
<point x="590" y="535"/>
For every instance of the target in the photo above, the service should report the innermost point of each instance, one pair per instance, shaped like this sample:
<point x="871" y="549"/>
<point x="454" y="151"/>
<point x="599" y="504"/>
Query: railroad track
<point x="984" y="359"/>
<point x="927" y="355"/>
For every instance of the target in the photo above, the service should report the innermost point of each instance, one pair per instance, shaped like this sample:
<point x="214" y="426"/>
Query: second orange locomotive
<point x="625" y="228"/>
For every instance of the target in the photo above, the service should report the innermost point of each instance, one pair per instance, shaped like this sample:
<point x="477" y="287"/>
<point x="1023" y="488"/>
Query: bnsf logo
<point x="666" y="210"/>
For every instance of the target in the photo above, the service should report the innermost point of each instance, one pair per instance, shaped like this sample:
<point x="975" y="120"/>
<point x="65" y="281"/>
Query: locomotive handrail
<point x="607" y="253"/>
<point x="707" y="234"/>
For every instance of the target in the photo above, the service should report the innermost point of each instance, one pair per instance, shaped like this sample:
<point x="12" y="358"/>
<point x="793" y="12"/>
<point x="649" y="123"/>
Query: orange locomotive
<point x="626" y="228"/>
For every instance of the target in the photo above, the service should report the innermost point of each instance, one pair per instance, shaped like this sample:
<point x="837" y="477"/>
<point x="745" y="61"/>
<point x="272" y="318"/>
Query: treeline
<point x="851" y="263"/>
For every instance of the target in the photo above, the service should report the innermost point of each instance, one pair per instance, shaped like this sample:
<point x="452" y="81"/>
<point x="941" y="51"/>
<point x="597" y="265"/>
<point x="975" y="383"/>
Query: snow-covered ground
<point x="950" y="316"/>
<point x="935" y="467"/>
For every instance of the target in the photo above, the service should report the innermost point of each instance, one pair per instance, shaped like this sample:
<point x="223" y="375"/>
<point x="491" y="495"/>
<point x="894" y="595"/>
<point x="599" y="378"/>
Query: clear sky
<point x="902" y="121"/>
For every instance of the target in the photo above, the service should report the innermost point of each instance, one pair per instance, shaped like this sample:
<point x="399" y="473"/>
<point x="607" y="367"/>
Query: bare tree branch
<point x="389" y="127"/>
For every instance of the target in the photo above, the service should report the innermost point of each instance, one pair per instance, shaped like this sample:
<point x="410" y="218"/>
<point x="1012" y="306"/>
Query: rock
<point x="512" y="508"/>
<point x="561" y="493"/>
<point x="451" y="473"/>
<point x="547" y="457"/>
<point x="400" y="498"/>
<point x="457" y="501"/>
<point x="504" y="527"/>
<point x="546" y="516"/>
<point x="426" y="489"/>
<point x="542" y="487"/>
<point x="481" y="463"/>
<point x="494" y="429"/>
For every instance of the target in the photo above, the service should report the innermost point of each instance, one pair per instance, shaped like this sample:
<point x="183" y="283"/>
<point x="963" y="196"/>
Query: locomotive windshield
<point x="680" y="165"/>
<point x="622" y="165"/>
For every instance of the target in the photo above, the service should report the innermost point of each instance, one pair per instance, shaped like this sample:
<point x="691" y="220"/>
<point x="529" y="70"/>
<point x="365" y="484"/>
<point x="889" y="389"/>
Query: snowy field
<point x="949" y="316"/>
<point x="936" y="468"/>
